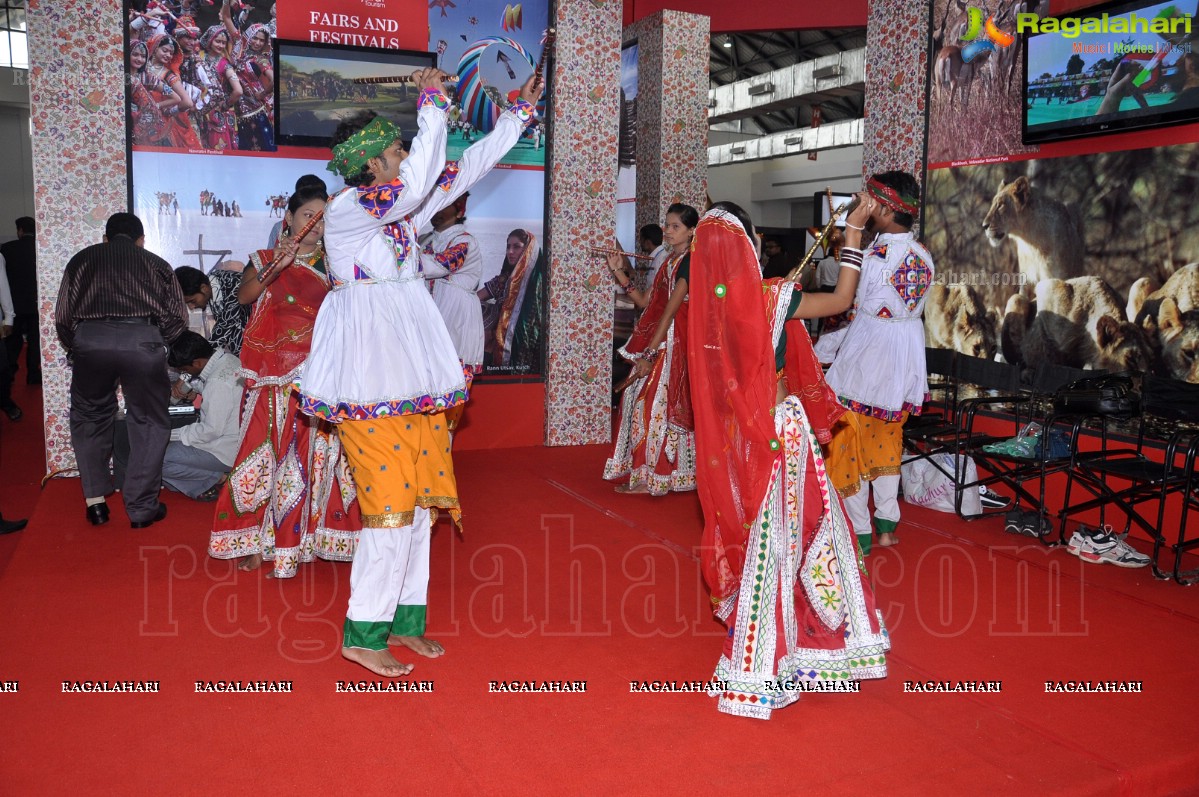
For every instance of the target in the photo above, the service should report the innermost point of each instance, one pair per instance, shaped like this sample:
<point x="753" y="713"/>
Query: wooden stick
<point x="619" y="252"/>
<point x="270" y="270"/>
<point x="399" y="79"/>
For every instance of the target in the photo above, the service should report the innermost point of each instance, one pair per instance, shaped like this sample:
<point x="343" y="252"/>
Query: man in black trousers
<point x="19" y="259"/>
<point x="119" y="307"/>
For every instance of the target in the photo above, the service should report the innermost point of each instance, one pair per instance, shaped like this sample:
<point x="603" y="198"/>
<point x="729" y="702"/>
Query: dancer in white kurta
<point x="879" y="370"/>
<point x="383" y="365"/>
<point x="454" y="266"/>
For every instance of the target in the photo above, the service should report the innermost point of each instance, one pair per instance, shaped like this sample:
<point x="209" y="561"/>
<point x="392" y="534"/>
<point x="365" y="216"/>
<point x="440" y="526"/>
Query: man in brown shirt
<point x="119" y="307"/>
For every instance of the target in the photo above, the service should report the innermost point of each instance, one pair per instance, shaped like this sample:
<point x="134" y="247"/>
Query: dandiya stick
<point x="270" y="270"/>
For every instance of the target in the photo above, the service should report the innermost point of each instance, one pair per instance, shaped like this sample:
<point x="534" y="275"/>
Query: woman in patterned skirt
<point x="655" y="447"/>
<point x="290" y="496"/>
<point x="168" y="95"/>
<point x="218" y="80"/>
<point x="251" y="57"/>
<point x="778" y="555"/>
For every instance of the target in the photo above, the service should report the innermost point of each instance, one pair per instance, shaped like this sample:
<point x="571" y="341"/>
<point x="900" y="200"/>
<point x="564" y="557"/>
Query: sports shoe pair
<point x="1027" y="522"/>
<point x="1104" y="545"/>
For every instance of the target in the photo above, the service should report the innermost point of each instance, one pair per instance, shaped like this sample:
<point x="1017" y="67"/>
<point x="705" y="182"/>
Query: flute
<point x="280" y="256"/>
<point x="619" y="252"/>
<point x="400" y="79"/>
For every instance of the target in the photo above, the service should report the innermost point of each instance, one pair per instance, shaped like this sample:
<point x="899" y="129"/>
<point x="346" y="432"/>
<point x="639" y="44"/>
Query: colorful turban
<point x="187" y="25"/>
<point x="892" y="198"/>
<point x="351" y="155"/>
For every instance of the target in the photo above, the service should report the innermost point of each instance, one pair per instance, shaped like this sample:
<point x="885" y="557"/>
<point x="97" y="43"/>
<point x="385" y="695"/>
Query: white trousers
<point x="886" y="503"/>
<point x="391" y="568"/>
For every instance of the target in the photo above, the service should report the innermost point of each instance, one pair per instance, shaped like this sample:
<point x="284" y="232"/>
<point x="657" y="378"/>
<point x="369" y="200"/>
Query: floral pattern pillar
<point x="896" y="73"/>
<point x="582" y="212"/>
<point x="77" y="107"/>
<point x="672" y="112"/>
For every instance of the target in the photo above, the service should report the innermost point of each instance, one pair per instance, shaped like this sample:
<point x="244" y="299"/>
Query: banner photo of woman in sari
<point x="778" y="554"/>
<point x="514" y="308"/>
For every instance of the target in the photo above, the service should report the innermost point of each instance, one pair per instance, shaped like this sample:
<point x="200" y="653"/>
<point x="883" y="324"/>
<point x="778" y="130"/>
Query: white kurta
<point x="380" y="346"/>
<point x="453" y="258"/>
<point x="879" y="368"/>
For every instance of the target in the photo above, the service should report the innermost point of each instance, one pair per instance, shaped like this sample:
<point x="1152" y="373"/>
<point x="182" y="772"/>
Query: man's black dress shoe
<point x="158" y="515"/>
<point x="9" y="526"/>
<point x="97" y="514"/>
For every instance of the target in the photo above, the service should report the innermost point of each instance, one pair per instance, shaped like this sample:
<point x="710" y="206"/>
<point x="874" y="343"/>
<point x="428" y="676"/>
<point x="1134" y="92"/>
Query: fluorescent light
<point x="728" y="43"/>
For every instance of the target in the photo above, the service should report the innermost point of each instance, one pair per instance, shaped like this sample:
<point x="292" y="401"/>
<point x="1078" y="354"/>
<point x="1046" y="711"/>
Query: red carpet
<point x="559" y="578"/>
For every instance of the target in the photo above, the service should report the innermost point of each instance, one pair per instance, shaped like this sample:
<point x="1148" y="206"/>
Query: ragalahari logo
<point x="975" y="29"/>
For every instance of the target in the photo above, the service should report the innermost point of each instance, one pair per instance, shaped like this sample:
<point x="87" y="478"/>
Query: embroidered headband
<point x="892" y="198"/>
<point x="351" y="155"/>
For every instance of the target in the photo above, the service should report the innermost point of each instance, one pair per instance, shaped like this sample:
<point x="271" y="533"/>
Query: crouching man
<point x="200" y="455"/>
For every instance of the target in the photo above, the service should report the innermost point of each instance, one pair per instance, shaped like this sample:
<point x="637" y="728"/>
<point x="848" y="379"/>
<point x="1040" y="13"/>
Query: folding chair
<point x="1166" y="404"/>
<point x="1190" y="499"/>
<point x="934" y="422"/>
<point x="1028" y="405"/>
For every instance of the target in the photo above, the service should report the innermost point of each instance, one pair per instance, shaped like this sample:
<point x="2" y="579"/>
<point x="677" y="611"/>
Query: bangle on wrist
<point x="854" y="266"/>
<point x="854" y="226"/>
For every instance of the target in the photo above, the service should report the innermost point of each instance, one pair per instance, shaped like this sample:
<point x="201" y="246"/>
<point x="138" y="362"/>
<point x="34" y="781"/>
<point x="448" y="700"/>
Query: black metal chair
<point x="936" y="421"/>
<point x="1028" y="404"/>
<point x="1143" y="475"/>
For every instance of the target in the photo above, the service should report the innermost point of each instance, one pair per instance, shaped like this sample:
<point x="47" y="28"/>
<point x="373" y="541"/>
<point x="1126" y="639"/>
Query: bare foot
<point x="422" y="645"/>
<point x="887" y="540"/>
<point x="380" y="662"/>
<point x="626" y="489"/>
<point x="251" y="562"/>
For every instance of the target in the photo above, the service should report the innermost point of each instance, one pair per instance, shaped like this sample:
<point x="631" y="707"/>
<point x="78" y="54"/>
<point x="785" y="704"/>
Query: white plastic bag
<point x="926" y="485"/>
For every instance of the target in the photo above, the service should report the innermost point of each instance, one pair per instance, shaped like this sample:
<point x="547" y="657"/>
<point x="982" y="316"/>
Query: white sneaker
<point x="1103" y="545"/>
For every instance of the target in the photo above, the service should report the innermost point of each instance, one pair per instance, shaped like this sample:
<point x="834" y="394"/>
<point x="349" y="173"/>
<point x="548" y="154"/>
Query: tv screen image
<point x="316" y="90"/>
<point x="1120" y="66"/>
<point x="822" y="212"/>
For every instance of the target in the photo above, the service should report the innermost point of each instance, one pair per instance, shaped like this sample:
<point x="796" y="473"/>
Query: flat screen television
<point x="1111" y="68"/>
<point x="315" y="89"/>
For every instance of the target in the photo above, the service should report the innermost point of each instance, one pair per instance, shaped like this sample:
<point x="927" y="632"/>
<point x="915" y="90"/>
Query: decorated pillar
<point x="896" y="74"/>
<point x="77" y="107"/>
<point x="582" y="209"/>
<point x="672" y="112"/>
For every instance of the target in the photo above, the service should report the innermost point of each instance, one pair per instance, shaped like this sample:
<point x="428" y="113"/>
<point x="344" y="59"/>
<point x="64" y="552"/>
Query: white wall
<point x="16" y="165"/>
<point x="778" y="192"/>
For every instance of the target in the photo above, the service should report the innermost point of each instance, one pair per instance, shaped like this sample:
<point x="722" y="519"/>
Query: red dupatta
<point x="278" y="335"/>
<point x="659" y="296"/>
<point x="731" y="358"/>
<point x="678" y="406"/>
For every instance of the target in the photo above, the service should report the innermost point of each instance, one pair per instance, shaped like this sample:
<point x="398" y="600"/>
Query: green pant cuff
<point x="365" y="634"/>
<point x="864" y="542"/>
<point x="409" y="621"/>
<point x="885" y="526"/>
